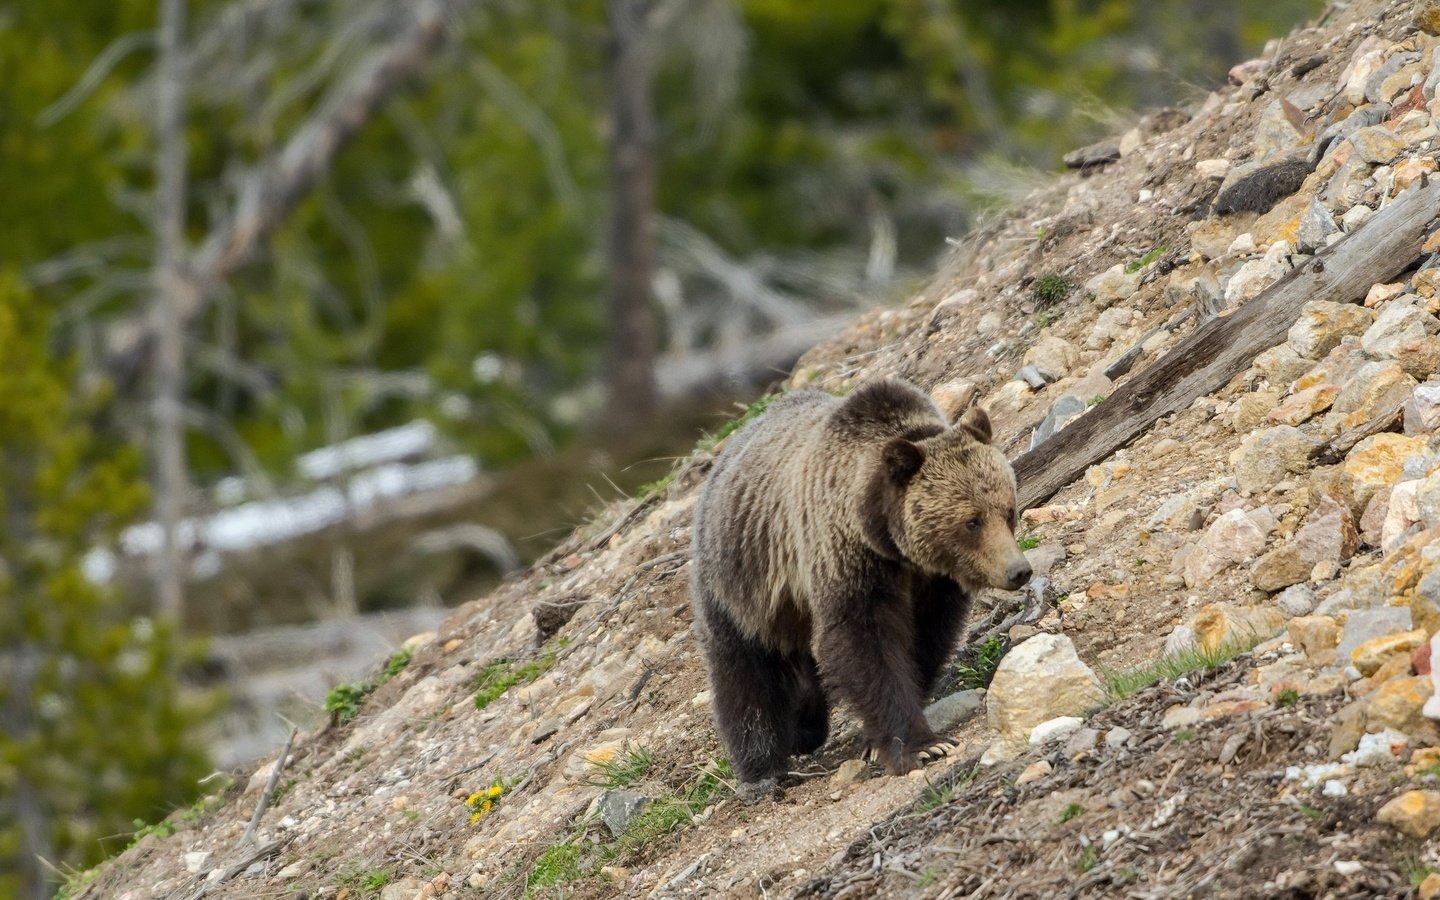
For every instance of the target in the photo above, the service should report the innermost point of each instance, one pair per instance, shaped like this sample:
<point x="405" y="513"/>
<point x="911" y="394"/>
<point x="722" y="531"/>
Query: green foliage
<point x="1050" y="289"/>
<point x="343" y="701"/>
<point x="978" y="663"/>
<point x="1089" y="858"/>
<point x="1136" y="265"/>
<point x="1287" y="697"/>
<point x="93" y="733"/>
<point x="1071" y="811"/>
<point x="501" y="675"/>
<point x="559" y="864"/>
<point x="754" y="409"/>
<point x="1123" y="683"/>
<point x="1028" y="541"/>
<point x="934" y="796"/>
<point x="371" y="879"/>
<point x="631" y="764"/>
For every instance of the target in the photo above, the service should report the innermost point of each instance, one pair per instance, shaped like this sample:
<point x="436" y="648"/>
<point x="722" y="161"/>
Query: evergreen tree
<point x="93" y="733"/>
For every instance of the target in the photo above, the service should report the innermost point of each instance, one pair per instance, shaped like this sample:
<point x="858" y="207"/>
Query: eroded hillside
<point x="553" y="738"/>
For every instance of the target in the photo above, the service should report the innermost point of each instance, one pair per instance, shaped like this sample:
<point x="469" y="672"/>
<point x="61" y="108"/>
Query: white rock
<point x="1181" y="717"/>
<point x="1334" y="788"/>
<point x="1039" y="680"/>
<point x="1113" y="285"/>
<point x="195" y="861"/>
<point x="1055" y="729"/>
<point x="1356" y="216"/>
<point x="1232" y="538"/>
<point x="1212" y="168"/>
<point x="1258" y="274"/>
<point x="1377" y="749"/>
<point x="1397" y="322"/>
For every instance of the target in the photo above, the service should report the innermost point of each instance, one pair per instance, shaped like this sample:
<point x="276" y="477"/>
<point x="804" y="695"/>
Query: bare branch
<point x="537" y="124"/>
<point x="120" y="48"/>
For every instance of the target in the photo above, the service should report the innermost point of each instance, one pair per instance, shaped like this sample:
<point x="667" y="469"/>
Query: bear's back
<point x="782" y="503"/>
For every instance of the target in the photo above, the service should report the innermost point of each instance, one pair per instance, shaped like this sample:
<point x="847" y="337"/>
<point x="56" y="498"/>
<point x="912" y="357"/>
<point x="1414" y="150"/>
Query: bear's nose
<point x="1018" y="572"/>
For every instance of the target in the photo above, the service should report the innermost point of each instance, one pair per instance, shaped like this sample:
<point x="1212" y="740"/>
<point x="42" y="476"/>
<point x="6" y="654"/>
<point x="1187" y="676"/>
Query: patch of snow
<point x="391" y="445"/>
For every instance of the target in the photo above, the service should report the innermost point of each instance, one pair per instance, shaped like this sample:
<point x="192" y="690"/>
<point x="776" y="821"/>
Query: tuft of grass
<point x="1028" y="542"/>
<point x="1413" y="869"/>
<point x="980" y="663"/>
<point x="1287" y="697"/>
<point x="1089" y="858"/>
<point x="76" y="882"/>
<point x="501" y="675"/>
<point x="631" y="764"/>
<point x="934" y="796"/>
<point x="343" y="701"/>
<point x="559" y="864"/>
<point x="1071" y="812"/>
<point x="1045" y="318"/>
<point x="1126" y="682"/>
<point x="366" y="879"/>
<point x="1311" y="812"/>
<point x="1136" y="265"/>
<point x="1049" y="289"/>
<point x="927" y="878"/>
<point x="1096" y="400"/>
<point x="708" y="442"/>
<point x="1184" y="736"/>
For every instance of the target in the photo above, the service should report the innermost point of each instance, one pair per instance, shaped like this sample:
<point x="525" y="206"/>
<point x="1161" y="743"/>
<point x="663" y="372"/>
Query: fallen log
<point x="1378" y="251"/>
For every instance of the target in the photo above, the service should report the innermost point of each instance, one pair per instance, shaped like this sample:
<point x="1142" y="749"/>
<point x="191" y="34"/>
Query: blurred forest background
<point x="311" y="309"/>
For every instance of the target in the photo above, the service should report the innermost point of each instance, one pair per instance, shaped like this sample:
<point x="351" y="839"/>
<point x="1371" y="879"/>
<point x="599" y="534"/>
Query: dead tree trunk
<point x="1222" y="348"/>
<point x="633" y="342"/>
<point x="170" y="298"/>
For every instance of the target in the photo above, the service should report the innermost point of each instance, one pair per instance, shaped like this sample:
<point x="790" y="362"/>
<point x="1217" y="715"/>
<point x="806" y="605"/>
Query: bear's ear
<point x="902" y="460"/>
<point x="977" y="422"/>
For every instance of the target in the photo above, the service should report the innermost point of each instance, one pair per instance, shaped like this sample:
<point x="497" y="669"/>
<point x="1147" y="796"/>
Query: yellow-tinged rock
<point x="1317" y="636"/>
<point x="1422" y="759"/>
<point x="1369" y="656"/>
<point x="1224" y="624"/>
<point x="1415" y="813"/>
<point x="1376" y="462"/>
<point x="1393" y="666"/>
<point x="1397" y="704"/>
<point x="1429" y="888"/>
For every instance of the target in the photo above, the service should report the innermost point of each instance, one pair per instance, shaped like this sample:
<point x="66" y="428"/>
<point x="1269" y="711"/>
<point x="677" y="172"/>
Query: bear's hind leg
<point x="812" y="725"/>
<point x="752" y="696"/>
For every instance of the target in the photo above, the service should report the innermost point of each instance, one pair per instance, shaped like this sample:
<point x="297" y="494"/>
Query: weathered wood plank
<point x="1221" y="348"/>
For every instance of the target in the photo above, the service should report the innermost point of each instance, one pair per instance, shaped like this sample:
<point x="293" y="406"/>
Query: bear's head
<point x="947" y="504"/>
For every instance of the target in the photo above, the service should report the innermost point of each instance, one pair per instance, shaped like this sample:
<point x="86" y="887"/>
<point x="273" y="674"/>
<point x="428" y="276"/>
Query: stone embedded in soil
<point x="1039" y="680"/>
<point x="1367" y="624"/>
<point x="1034" y="772"/>
<point x="1054" y="356"/>
<point x="1425" y="602"/>
<point x="1301" y="406"/>
<point x="1316" y="226"/>
<point x="1377" y="144"/>
<point x="1376" y="389"/>
<point x="1398" y="322"/>
<point x="1224" y="624"/>
<point x="1415" y="813"/>
<point x="1317" y="636"/>
<point x="1328" y="534"/>
<point x="1055" y="729"/>
<point x="1113" y="285"/>
<point x="1232" y="538"/>
<point x="850" y="772"/>
<point x="1419" y="357"/>
<point x="1376" y="462"/>
<point x="1371" y="655"/>
<point x="1266" y="457"/>
<point x="404" y="889"/>
<point x="619" y="808"/>
<point x="1296" y="600"/>
<point x="1422" y="410"/>
<point x="1427" y="16"/>
<point x="1429" y="889"/>
<point x="1258" y="274"/>
<point x="1181" y="717"/>
<point x="947" y="712"/>
<point x="1321" y="325"/>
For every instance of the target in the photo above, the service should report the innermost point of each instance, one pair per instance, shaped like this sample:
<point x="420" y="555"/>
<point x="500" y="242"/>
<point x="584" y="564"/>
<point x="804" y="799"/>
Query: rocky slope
<point x="1257" y="595"/>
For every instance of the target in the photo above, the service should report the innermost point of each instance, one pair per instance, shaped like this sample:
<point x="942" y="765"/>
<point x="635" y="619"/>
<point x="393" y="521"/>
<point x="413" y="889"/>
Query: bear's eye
<point x="973" y="524"/>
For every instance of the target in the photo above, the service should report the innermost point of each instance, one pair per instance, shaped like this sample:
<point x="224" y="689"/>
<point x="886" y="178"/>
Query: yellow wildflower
<point x="473" y="799"/>
<point x="495" y="790"/>
<point x="486" y="806"/>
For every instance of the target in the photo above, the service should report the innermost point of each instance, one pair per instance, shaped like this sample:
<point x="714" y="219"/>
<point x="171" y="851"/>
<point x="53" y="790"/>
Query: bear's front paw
<point x="750" y="792"/>
<point x="939" y="750"/>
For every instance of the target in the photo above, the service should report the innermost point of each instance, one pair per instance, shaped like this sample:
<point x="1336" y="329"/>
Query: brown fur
<point x="836" y="547"/>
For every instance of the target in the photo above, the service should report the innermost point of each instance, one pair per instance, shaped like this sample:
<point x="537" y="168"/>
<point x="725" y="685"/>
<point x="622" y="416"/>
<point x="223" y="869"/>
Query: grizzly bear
<point x="837" y="543"/>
